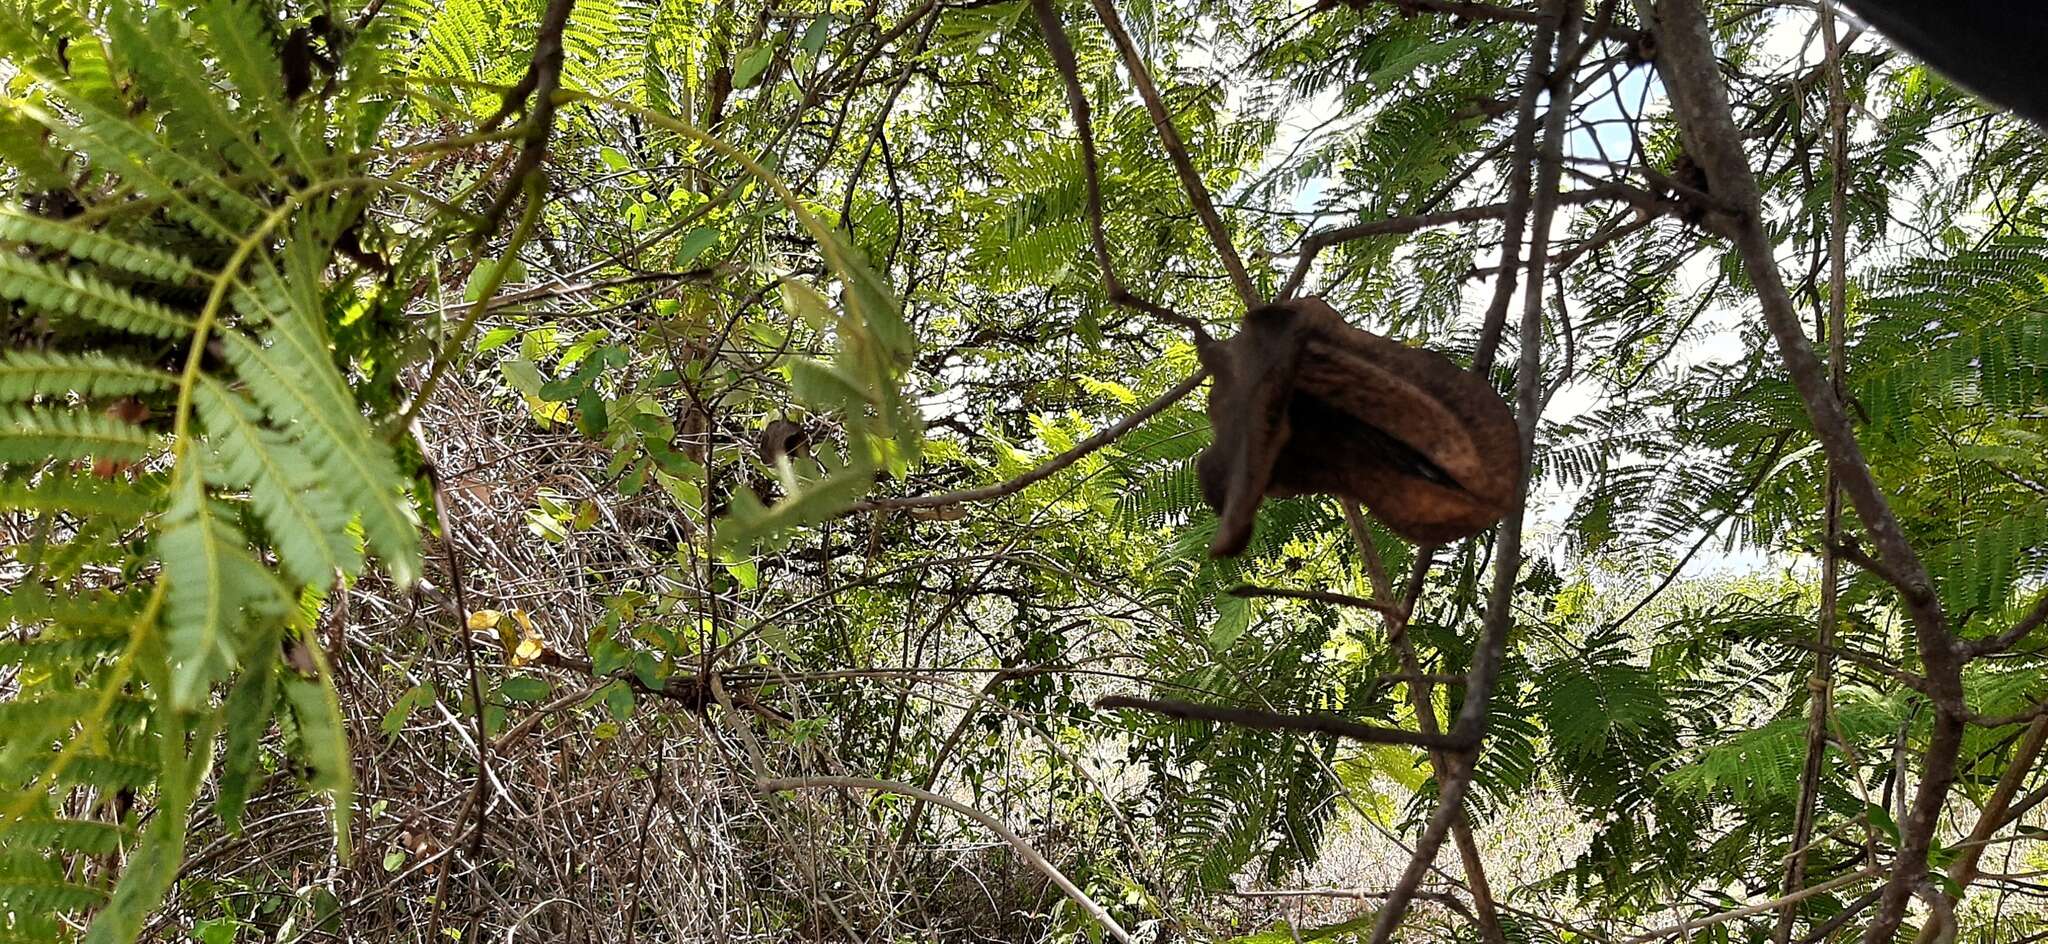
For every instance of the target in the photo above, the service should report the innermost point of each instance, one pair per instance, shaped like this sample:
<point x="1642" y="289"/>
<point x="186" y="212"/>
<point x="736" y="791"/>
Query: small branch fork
<point x="1512" y="210"/>
<point x="1062" y="50"/>
<point x="1169" y="137"/>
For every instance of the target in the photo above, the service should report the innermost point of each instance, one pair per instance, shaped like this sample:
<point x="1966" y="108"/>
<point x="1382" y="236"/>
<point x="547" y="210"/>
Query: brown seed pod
<point x="782" y="438"/>
<point x="1304" y="403"/>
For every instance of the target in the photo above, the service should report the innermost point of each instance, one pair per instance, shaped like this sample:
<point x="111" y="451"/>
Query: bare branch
<point x="1311" y="723"/>
<point x="1820" y="685"/>
<point x="1733" y="914"/>
<point x="1024" y="849"/>
<point x="1091" y="165"/>
<point x="478" y="800"/>
<point x="1319" y="596"/>
<point x="2012" y="634"/>
<point x="1093" y="443"/>
<point x="1319" y="241"/>
<point x="542" y="78"/>
<point x="1494" y="325"/>
<point x="1177" y="152"/>
<point x="1691" y="74"/>
<point x="1873" y="661"/>
<point x="1963" y="871"/>
<point x="1421" y="698"/>
<point x="1491" y="650"/>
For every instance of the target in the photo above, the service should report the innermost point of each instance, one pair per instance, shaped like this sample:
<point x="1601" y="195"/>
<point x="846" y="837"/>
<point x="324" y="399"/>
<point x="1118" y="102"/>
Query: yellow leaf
<point x="528" y="644"/>
<point x="485" y="619"/>
<point x="528" y="649"/>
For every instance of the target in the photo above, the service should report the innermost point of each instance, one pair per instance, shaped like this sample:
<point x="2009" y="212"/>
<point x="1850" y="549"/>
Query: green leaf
<point x="307" y="522"/>
<point x="1233" y="617"/>
<point x="749" y="521"/>
<point x="590" y="413"/>
<point x="401" y="711"/>
<point x="28" y="374"/>
<point x="215" y="590"/>
<point x="38" y="435"/>
<point x="298" y="387"/>
<point x="693" y="245"/>
<point x="815" y="37"/>
<point x="97" y="247"/>
<point x="153" y="866"/>
<point x="68" y="293"/>
<point x="618" y="699"/>
<point x="249" y="707"/>
<point x="495" y="339"/>
<point x="752" y="63"/>
<point x="323" y="742"/>
<point x="524" y="688"/>
<point x="522" y="376"/>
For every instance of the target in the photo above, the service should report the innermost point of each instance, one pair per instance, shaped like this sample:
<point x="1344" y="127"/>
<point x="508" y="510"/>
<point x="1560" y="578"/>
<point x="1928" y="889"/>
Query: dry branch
<point x="1691" y="73"/>
<point x="1309" y="723"/>
<point x="1024" y="849"/>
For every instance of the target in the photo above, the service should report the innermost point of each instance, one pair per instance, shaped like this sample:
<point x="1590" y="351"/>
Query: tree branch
<point x="986" y="493"/>
<point x="542" y="78"/>
<point x="2012" y="634"/>
<point x="1312" y="723"/>
<point x="1841" y="881"/>
<point x="1423" y="701"/>
<point x="1491" y="649"/>
<point x="1963" y="870"/>
<point x="1691" y="74"/>
<point x="1319" y="596"/>
<point x="1062" y="50"/>
<point x="1321" y="240"/>
<point x="1190" y="179"/>
<point x="1024" y="849"/>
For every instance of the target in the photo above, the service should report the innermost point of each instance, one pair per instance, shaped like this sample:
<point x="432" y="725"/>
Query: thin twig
<point x="1873" y="661"/>
<point x="1062" y="51"/>
<point x="1733" y="914"/>
<point x="1756" y="482"/>
<point x="2012" y="634"/>
<point x="1320" y="596"/>
<point x="1820" y="686"/>
<point x="479" y="800"/>
<point x="454" y="347"/>
<point x="1177" y="152"/>
<point x="1491" y="649"/>
<point x="1421" y="698"/>
<point x="1311" y="723"/>
<point x="1963" y="871"/>
<point x="1520" y="155"/>
<point x="1081" y="449"/>
<point x="1024" y="849"/>
<point x="1393" y="226"/>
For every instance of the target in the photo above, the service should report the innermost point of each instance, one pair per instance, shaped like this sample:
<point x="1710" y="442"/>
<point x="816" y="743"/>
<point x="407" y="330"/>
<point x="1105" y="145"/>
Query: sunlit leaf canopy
<point x="694" y="470"/>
